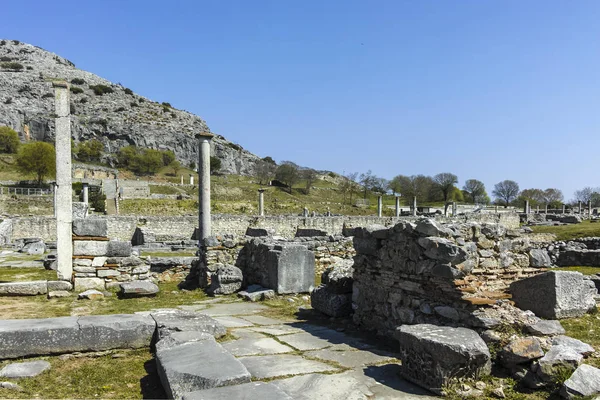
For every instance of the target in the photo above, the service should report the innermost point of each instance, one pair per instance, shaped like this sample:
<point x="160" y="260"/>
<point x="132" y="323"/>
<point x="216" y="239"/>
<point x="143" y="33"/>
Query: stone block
<point x="117" y="331"/>
<point x="90" y="248"/>
<point x="227" y="279"/>
<point x="585" y="381"/>
<point x="99" y="262"/>
<point x="58" y="293"/>
<point x="168" y="321"/>
<point x="545" y="328"/>
<point x="37" y="248"/>
<point x="331" y="303"/>
<point x="23" y="288"/>
<point x="138" y="289"/>
<point x="521" y="350"/>
<point x="256" y="293"/>
<point x="96" y="227"/>
<point x="83" y="284"/>
<point x="555" y="361"/>
<point x="433" y="356"/>
<point x="24" y="369"/>
<point x="59" y="285"/>
<point x="245" y="391"/>
<point x="574" y="344"/>
<point x="91" y="294"/>
<point x="79" y="210"/>
<point x="555" y="294"/>
<point x="107" y="273"/>
<point x="118" y="249"/>
<point x="184" y="368"/>
<point x="309" y="232"/>
<point x="259" y="232"/>
<point x="338" y="277"/>
<point x="442" y="250"/>
<point x="539" y="258"/>
<point x="291" y="269"/>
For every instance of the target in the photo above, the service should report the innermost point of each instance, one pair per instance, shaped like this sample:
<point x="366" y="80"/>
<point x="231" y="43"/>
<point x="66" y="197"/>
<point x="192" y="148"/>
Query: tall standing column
<point x="564" y="208"/>
<point x="589" y="208"/>
<point x="182" y="180"/>
<point x="414" y="207"/>
<point x="397" y="206"/>
<point x="204" y="222"/>
<point x="454" y="209"/>
<point x="261" y="202"/>
<point x="379" y="206"/>
<point x="192" y="176"/>
<point x="579" y="207"/>
<point x="64" y="190"/>
<point x="526" y="206"/>
<point x="86" y="195"/>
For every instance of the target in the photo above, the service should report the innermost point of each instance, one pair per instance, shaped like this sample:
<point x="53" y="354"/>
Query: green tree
<point x="475" y="190"/>
<point x="90" y="150"/>
<point x="38" y="158"/>
<point x="417" y="186"/>
<point x="126" y="156"/>
<point x="215" y="164"/>
<point x="309" y="176"/>
<point x="168" y="157"/>
<point x="175" y="167"/>
<point x="445" y="182"/>
<point x="9" y="140"/>
<point x="288" y="173"/>
<point x="506" y="191"/>
<point x="149" y="162"/>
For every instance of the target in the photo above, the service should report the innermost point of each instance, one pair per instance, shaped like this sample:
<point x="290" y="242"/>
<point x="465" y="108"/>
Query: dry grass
<point x="570" y="232"/>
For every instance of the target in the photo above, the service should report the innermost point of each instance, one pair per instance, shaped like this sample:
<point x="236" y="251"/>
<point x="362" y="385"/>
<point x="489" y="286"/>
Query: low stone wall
<point x="182" y="227"/>
<point x="429" y="273"/>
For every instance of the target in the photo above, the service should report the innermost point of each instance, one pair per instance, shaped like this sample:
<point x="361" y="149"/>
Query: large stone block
<point x="90" y="227"/>
<point x="331" y="303"/>
<point x="198" y="365"/>
<point x="118" y="249"/>
<point x="555" y="294"/>
<point x="585" y="381"/>
<point x="82" y="284"/>
<point x="118" y="331"/>
<point x="23" y="288"/>
<point x="90" y="248"/>
<point x="138" y="289"/>
<point x="338" y="277"/>
<point x="168" y="321"/>
<point x="432" y="356"/>
<point x="246" y="391"/>
<point x="227" y="279"/>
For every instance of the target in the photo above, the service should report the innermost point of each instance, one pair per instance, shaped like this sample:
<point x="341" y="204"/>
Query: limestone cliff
<point x="117" y="117"/>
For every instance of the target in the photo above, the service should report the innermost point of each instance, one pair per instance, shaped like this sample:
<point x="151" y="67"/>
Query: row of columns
<point x="527" y="208"/>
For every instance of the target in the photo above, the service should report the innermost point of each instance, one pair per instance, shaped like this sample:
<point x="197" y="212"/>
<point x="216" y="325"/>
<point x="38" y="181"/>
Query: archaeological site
<point x="117" y="284"/>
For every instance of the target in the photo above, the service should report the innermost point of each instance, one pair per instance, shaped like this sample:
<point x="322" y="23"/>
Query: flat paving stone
<point x="246" y="391"/>
<point x="246" y="333"/>
<point x="260" y="320"/>
<point x="197" y="307"/>
<point x="322" y="339"/>
<point x="262" y="367"/>
<point x="352" y="359"/>
<point x="277" y="330"/>
<point x="24" y="369"/>
<point x="381" y="383"/>
<point x="252" y="347"/>
<point x="234" y="309"/>
<point x="233" y="322"/>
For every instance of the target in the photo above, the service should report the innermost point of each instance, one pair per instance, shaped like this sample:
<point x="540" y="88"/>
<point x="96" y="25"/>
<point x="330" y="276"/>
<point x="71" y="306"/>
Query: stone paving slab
<point x="262" y="367"/>
<point x="381" y="383"/>
<point x="260" y="320"/>
<point x="277" y="330"/>
<point x="246" y="391"/>
<point x="352" y="359"/>
<point x="195" y="307"/>
<point x="234" y="309"/>
<point x="247" y="333"/>
<point x="233" y="322"/>
<point x="252" y="347"/>
<point x="321" y="339"/>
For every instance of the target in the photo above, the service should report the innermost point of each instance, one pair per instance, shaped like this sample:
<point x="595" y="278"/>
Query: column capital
<point x="261" y="190"/>
<point x="60" y="84"/>
<point x="204" y="135"/>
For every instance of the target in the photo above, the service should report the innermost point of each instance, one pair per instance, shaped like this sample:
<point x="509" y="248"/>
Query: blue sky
<point x="490" y="90"/>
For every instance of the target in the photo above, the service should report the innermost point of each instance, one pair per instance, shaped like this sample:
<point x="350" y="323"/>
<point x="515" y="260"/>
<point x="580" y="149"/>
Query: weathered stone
<point x="141" y="270"/>
<point x="138" y="289"/>
<point x="338" y="277"/>
<point x="252" y="390"/>
<point x="118" y="249"/>
<point x="331" y="303"/>
<point x="263" y="367"/>
<point x="227" y="279"/>
<point x="256" y="293"/>
<point x="91" y="294"/>
<point x="23" y="288"/>
<point x="545" y="328"/>
<point x="107" y="273"/>
<point x="177" y="338"/>
<point x="59" y="285"/>
<point x="521" y="350"/>
<point x="37" y="248"/>
<point x="168" y="321"/>
<point x="585" y="381"/>
<point x="447" y="312"/>
<point x="116" y="331"/>
<point x="573" y="344"/>
<point x="442" y="250"/>
<point x="10" y="386"/>
<point x="183" y="368"/>
<point x="96" y="227"/>
<point x="24" y="369"/>
<point x="82" y="262"/>
<point x="433" y="356"/>
<point x="90" y="248"/>
<point x="539" y="258"/>
<point x="429" y="227"/>
<point x="99" y="261"/>
<point x="58" y="293"/>
<point x="556" y="360"/>
<point x="259" y="232"/>
<point x="82" y="284"/>
<point x="555" y="294"/>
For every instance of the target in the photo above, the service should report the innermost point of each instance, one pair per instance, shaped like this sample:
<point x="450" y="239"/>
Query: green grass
<point x="583" y="270"/>
<point x="586" y="329"/>
<point x="26" y="274"/>
<point x="164" y="189"/>
<point x="282" y="308"/>
<point x="570" y="232"/>
<point x="131" y="376"/>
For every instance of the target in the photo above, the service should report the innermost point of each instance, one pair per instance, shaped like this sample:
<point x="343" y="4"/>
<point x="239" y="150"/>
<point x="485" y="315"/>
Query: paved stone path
<point x="309" y="361"/>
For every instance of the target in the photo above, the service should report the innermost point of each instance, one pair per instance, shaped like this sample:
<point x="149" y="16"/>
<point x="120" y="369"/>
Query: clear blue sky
<point x="490" y="90"/>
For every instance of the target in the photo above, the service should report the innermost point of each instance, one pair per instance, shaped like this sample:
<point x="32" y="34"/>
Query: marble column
<point x="204" y="221"/>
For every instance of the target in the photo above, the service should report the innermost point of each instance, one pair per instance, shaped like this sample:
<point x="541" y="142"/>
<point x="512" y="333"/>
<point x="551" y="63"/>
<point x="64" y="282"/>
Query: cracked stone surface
<point x="262" y="367"/>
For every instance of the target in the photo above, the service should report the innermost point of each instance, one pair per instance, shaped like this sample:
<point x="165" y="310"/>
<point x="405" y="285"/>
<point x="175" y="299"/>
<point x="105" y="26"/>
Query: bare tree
<point x="288" y="173"/>
<point x="309" y="176"/>
<point x="588" y="194"/>
<point x="476" y="190"/>
<point x="417" y="186"/>
<point x="349" y="185"/>
<point x="506" y="191"/>
<point x="553" y="197"/>
<point x="445" y="184"/>
<point x="264" y="172"/>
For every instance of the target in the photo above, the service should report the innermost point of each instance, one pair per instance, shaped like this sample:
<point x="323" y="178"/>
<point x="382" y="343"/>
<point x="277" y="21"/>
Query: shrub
<point x="173" y="115"/>
<point x="77" y="81"/>
<point x="76" y="90"/>
<point x="9" y="140"/>
<point x="215" y="164"/>
<point x="98" y="201"/>
<point x="120" y="109"/>
<point x="234" y="146"/>
<point x="141" y="100"/>
<point x="83" y="100"/>
<point x="29" y="68"/>
<point x="37" y="158"/>
<point x="168" y="157"/>
<point x="89" y="150"/>
<point x="14" y="66"/>
<point x="47" y="95"/>
<point x="133" y="104"/>
<point x="100" y="90"/>
<point x="5" y="59"/>
<point x="192" y="165"/>
<point x="165" y="104"/>
<point x="128" y="91"/>
<point x="269" y="160"/>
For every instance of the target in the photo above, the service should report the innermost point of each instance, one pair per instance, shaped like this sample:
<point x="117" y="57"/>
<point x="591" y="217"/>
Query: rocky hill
<point x="100" y="110"/>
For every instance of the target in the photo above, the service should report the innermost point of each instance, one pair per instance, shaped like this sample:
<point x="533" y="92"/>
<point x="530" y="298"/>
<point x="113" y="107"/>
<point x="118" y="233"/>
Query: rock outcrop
<point x="117" y="118"/>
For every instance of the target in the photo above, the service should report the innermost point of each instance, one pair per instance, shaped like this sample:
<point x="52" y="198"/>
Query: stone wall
<point x="182" y="227"/>
<point x="429" y="273"/>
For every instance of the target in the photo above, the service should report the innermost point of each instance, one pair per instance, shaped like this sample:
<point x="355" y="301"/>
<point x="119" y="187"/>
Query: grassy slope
<point x="570" y="232"/>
